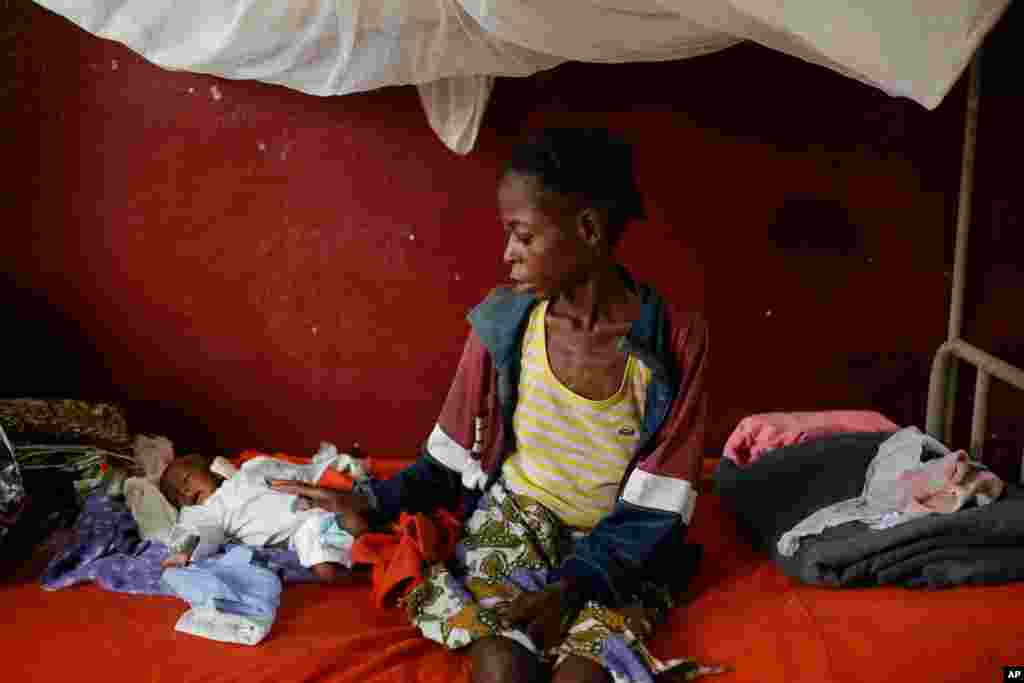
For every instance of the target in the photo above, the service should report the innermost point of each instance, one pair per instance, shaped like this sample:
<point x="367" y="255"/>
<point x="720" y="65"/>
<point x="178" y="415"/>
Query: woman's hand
<point x="351" y="508"/>
<point x="175" y="560"/>
<point x="542" y="613"/>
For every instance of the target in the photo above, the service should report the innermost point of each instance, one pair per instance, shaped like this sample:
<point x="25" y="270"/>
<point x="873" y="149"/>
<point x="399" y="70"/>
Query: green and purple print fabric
<point x="510" y="544"/>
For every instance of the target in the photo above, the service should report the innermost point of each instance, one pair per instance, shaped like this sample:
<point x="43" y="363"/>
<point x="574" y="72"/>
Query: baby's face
<point x="192" y="484"/>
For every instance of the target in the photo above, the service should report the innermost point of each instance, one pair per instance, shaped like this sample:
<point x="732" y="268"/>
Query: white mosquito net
<point x="453" y="49"/>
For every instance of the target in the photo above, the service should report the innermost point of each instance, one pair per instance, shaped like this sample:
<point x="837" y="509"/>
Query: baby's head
<point x="188" y="481"/>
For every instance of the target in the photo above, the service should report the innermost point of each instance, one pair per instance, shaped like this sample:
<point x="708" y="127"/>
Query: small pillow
<point x="151" y="510"/>
<point x="154" y="454"/>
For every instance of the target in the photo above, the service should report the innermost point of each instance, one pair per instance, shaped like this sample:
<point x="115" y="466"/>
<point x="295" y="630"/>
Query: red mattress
<point x="744" y="614"/>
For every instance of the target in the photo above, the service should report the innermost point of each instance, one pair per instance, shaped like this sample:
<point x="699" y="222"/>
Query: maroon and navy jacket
<point x="462" y="457"/>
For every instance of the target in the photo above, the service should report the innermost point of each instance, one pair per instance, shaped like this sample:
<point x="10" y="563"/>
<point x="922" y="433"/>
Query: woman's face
<point x="544" y="250"/>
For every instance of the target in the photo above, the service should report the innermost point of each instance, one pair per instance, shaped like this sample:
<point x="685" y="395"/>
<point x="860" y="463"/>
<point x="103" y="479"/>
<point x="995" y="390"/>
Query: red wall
<point x="269" y="269"/>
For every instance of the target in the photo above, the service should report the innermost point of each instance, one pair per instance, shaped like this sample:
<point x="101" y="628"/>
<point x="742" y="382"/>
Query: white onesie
<point x="247" y="510"/>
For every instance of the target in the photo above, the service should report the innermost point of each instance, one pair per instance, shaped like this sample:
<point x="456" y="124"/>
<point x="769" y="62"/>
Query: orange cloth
<point x="381" y="468"/>
<point x="400" y="558"/>
<point x="331" y="478"/>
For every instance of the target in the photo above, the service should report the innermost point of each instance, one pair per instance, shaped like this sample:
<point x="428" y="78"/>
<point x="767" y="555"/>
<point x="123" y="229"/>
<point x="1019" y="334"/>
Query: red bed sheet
<point x="744" y="613"/>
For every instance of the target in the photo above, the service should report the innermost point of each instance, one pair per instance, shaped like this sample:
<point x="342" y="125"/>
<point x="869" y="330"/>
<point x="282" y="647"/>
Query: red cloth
<point x="400" y="558"/>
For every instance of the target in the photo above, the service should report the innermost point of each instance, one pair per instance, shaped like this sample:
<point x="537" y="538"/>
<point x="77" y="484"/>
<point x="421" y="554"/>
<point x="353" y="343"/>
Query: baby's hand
<point x="175" y="560"/>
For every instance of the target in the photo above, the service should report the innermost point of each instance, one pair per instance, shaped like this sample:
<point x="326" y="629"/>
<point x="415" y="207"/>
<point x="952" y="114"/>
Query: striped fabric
<point x="571" y="451"/>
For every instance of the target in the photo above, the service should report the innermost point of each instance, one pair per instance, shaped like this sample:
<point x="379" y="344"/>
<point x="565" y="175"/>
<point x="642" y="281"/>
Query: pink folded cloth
<point x="757" y="434"/>
<point x="947" y="484"/>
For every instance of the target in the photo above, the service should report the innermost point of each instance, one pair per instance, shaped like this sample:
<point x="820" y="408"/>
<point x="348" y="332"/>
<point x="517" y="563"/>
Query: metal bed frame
<point x="942" y="385"/>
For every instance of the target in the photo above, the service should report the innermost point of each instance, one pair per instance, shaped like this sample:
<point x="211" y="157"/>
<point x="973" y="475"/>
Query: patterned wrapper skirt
<point x="509" y="545"/>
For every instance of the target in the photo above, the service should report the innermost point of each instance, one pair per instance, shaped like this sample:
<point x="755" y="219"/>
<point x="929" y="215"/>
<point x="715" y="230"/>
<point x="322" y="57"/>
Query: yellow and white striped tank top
<point x="571" y="452"/>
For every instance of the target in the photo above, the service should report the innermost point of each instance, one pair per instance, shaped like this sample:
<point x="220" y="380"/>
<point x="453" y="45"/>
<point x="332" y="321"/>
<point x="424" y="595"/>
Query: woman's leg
<point x="503" y="660"/>
<point x="577" y="669"/>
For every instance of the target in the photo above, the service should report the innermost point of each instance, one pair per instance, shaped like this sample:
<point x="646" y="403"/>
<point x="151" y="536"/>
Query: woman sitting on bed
<point x="572" y="436"/>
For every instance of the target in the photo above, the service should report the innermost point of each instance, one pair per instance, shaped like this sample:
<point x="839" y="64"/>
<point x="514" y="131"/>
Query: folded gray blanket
<point x="981" y="545"/>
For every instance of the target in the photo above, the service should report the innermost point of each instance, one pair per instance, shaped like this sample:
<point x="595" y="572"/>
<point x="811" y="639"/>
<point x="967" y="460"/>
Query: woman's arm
<point x="421" y="487"/>
<point x="447" y="466"/>
<point x="444" y="470"/>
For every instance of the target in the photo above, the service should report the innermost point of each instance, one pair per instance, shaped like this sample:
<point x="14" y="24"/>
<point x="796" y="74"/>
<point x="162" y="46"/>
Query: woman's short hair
<point x="589" y="162"/>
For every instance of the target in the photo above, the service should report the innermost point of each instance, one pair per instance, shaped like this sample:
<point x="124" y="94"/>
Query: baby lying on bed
<point x="244" y="508"/>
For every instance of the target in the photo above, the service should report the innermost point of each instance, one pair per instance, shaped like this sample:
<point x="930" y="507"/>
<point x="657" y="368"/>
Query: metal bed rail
<point x="942" y="384"/>
<point x="940" y="402"/>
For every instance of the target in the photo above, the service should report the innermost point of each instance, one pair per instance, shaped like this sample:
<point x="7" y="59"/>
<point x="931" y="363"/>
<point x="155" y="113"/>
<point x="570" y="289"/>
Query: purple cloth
<point x="623" y="661"/>
<point x="108" y="550"/>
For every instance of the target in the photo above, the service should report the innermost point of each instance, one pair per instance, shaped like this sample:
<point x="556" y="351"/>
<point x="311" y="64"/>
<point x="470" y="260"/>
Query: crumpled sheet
<point x="453" y="49"/>
<point x="108" y="551"/>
